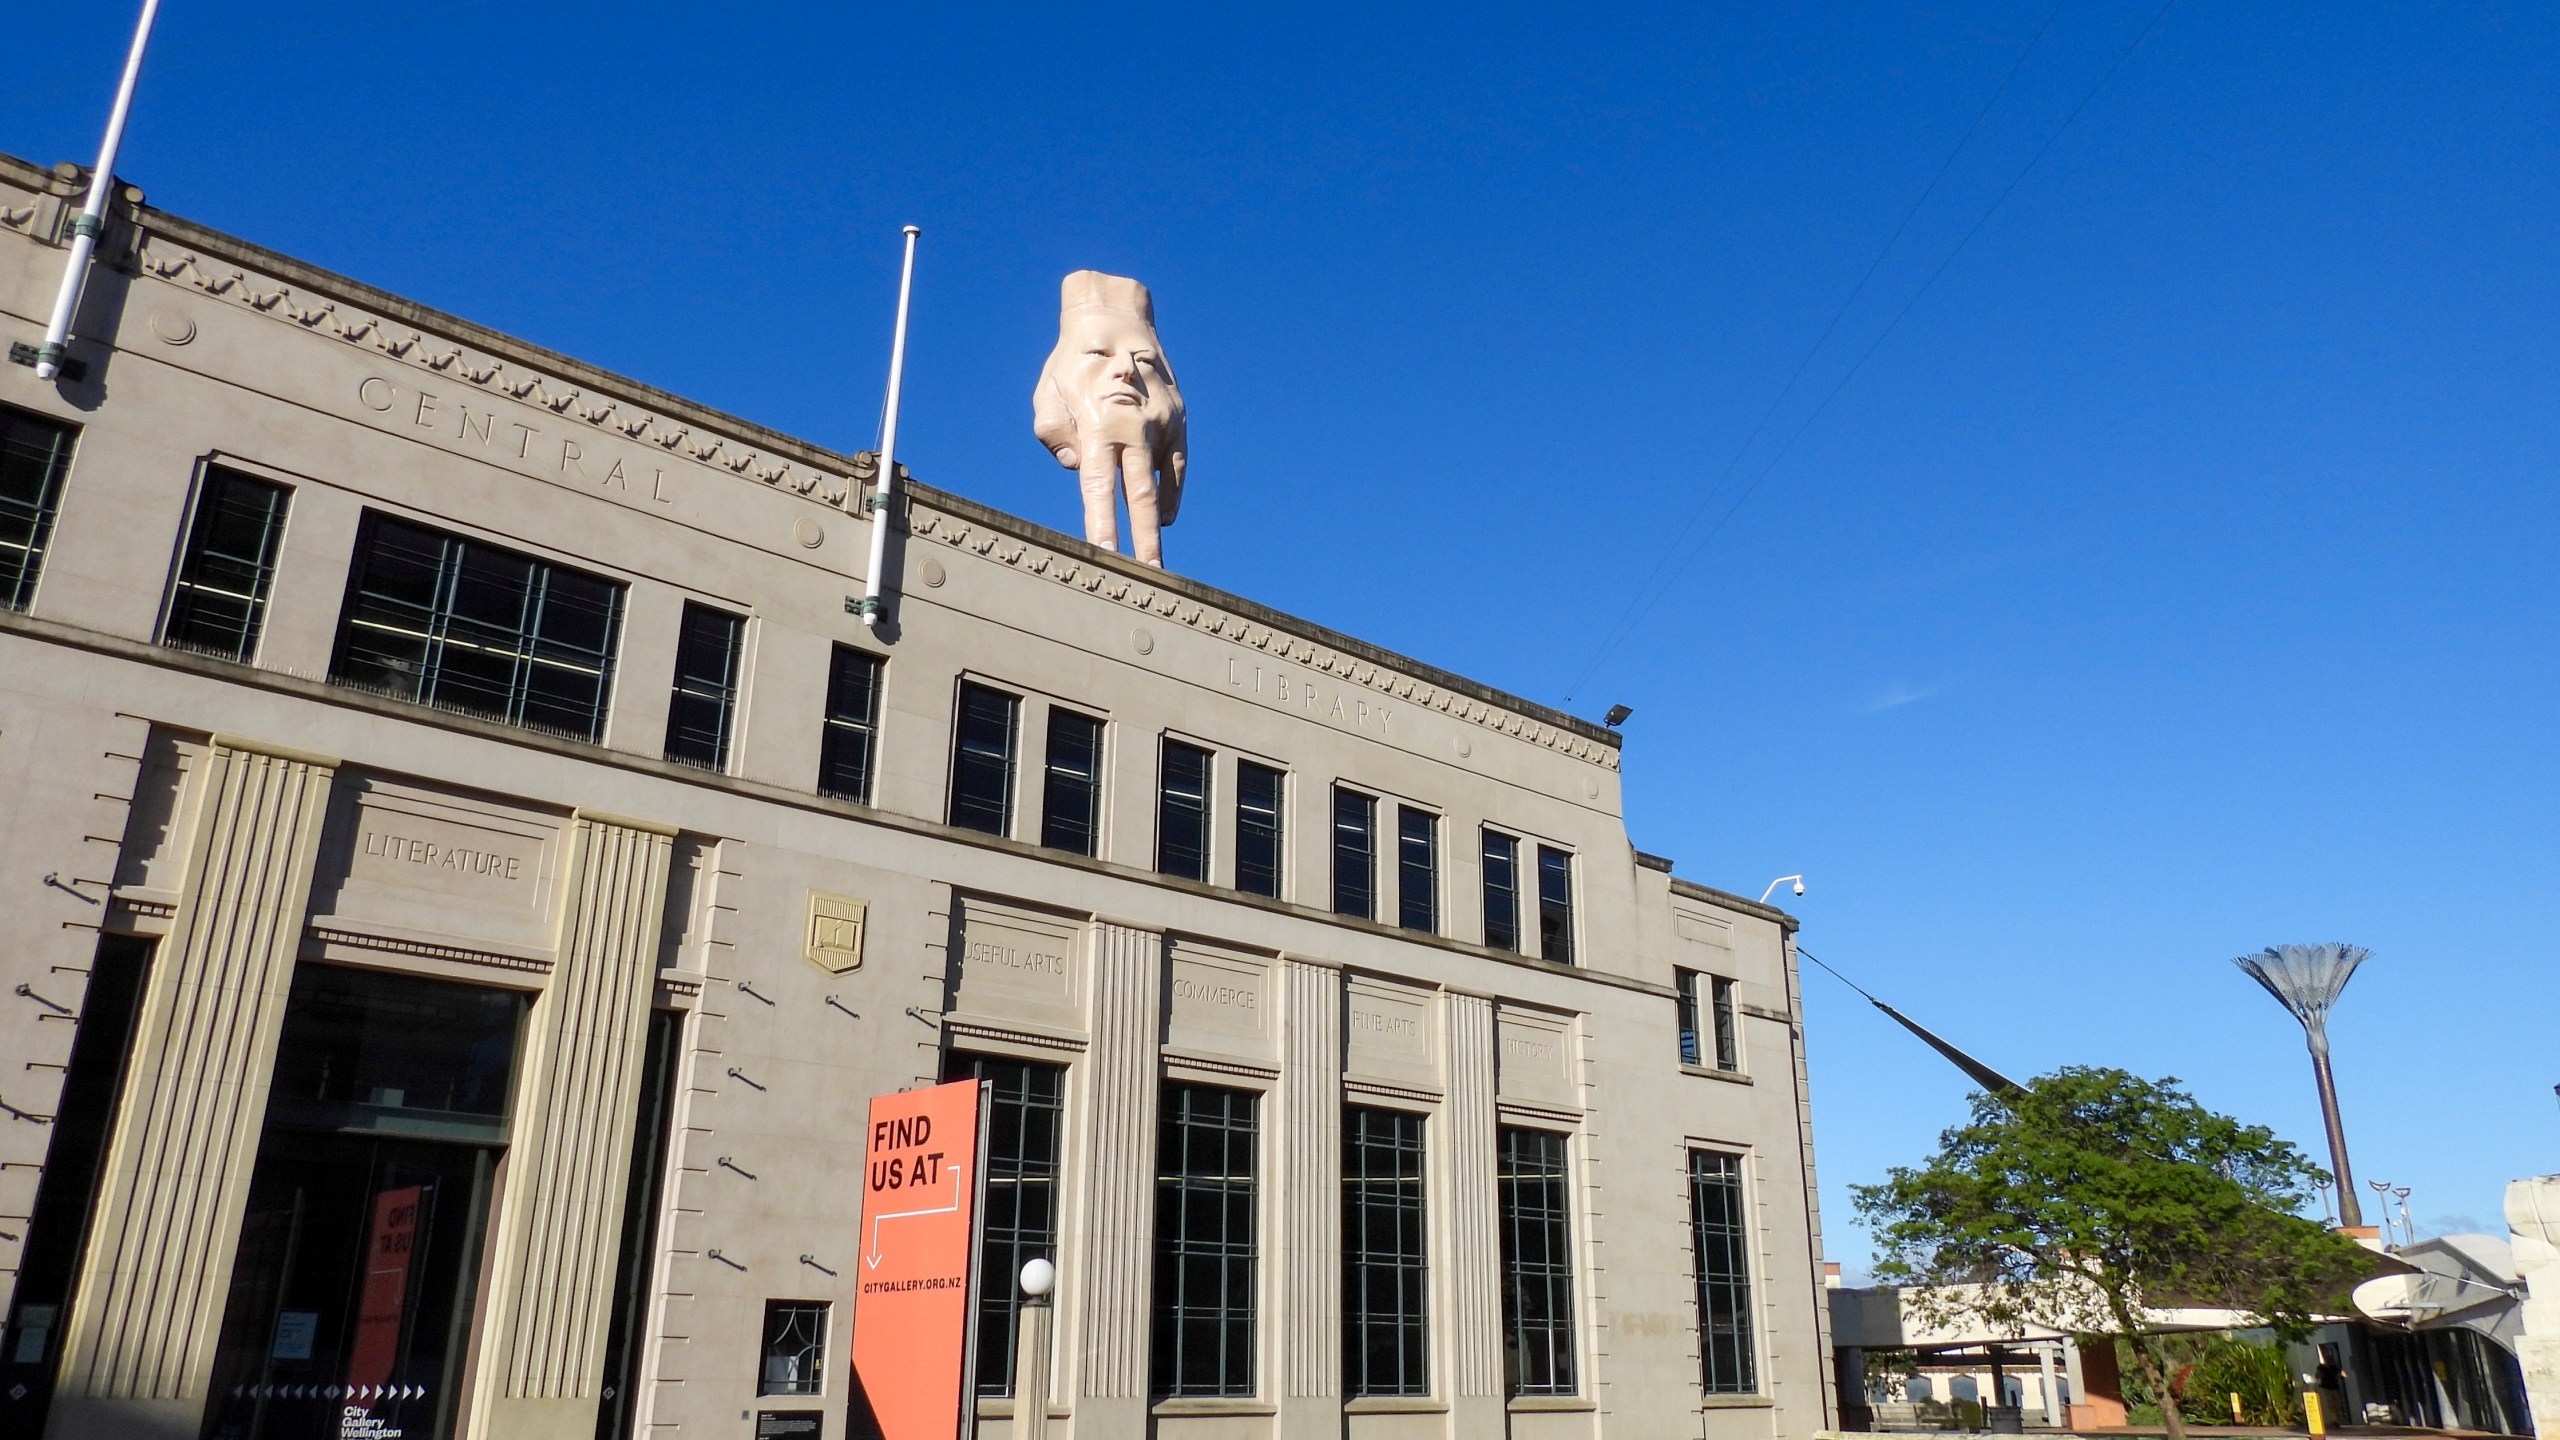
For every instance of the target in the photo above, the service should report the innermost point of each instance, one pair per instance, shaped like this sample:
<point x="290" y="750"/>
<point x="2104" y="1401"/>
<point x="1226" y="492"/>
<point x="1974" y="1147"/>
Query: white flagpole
<point x="93" y="215"/>
<point x="883" y="494"/>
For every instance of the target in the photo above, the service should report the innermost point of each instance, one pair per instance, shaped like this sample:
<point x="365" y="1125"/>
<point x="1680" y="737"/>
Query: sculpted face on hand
<point x="1115" y="379"/>
<point x="1108" y="408"/>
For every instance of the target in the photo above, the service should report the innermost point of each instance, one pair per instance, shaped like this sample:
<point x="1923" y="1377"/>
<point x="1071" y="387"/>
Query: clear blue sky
<point x="2175" y="579"/>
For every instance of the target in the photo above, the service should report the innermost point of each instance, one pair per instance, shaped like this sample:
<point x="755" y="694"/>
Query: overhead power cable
<point x="1644" y="602"/>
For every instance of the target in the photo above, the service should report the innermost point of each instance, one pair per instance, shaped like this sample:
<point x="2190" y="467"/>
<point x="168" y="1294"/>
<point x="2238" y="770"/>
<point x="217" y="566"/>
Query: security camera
<point x="1799" y="887"/>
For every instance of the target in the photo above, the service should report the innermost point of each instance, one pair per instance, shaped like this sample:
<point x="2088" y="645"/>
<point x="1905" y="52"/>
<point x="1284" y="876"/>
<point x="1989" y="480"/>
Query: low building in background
<point x="469" y="873"/>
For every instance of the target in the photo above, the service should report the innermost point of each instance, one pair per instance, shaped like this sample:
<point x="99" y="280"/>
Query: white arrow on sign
<point x="871" y="1258"/>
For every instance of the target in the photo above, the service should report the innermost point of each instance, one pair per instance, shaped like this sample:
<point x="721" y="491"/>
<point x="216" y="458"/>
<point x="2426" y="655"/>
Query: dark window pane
<point x="1355" y="854"/>
<point x="369" y="1050"/>
<point x="1259" y="793"/>
<point x="982" y="760"/>
<point x="220" y="599"/>
<point x="357" y="1252"/>
<point x="1724" y="1272"/>
<point x="795" y="1348"/>
<point x="1728" y="1040"/>
<point x="1203" y="1329"/>
<point x="1386" y="1325"/>
<point x="1555" y="905"/>
<point x="66" y="1190"/>
<point x="708" y="648"/>
<point x="1686" y="982"/>
<point x="1417" y="869"/>
<point x="1537" y="1262"/>
<point x="1501" y="891"/>
<point x="641" y="1194"/>
<point x="34" y="455"/>
<point x="849" y="748"/>
<point x="455" y="623"/>
<point x="1182" y="812"/>
<point x="1071" y="799"/>
<point x="1020" y="1224"/>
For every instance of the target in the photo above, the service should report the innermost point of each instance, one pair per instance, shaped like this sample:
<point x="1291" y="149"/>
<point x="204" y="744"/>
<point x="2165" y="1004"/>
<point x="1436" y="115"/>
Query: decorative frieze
<point x="436" y="356"/>
<point x="1164" y="601"/>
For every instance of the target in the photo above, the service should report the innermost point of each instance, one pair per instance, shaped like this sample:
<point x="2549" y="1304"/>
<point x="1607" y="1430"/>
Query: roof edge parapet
<point x="1692" y="890"/>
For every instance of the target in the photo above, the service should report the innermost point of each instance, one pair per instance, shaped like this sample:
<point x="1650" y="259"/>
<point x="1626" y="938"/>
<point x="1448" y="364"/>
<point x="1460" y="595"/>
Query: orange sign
<point x="385" y="1299"/>
<point x="919" y="1232"/>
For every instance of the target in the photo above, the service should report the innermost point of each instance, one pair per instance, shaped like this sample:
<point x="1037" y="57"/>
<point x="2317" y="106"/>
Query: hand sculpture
<point x="1108" y="408"/>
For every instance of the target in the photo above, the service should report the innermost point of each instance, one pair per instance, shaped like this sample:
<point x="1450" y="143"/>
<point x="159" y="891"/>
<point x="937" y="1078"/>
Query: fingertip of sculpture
<point x="1107" y="407"/>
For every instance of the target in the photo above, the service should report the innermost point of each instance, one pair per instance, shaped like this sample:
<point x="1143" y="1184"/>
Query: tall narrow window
<point x="1728" y="1036"/>
<point x="982" y="760"/>
<point x="795" y="1348"/>
<point x="709" y="646"/>
<point x="1206" y="1137"/>
<point x="1501" y="891"/>
<point x="220" y="600"/>
<point x="1386" y="1335"/>
<point x="1020" y="1224"/>
<point x="362" y="1228"/>
<point x="1260" y="793"/>
<point x="640" y="1212"/>
<point x="454" y="623"/>
<point x="1417" y="869"/>
<point x="67" y="1188"/>
<point x="1686" y="982"/>
<point x="1182" y="812"/>
<point x="1071" y="795"/>
<point x="1716" y="1216"/>
<point x="1537" y="1262"/>
<point x="1555" y="905"/>
<point x="850" y="747"/>
<point x="34" y="455"/>
<point x="1355" y="854"/>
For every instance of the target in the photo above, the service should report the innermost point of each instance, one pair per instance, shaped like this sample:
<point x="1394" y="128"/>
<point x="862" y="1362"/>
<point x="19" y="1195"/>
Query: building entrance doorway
<point x="350" y="1311"/>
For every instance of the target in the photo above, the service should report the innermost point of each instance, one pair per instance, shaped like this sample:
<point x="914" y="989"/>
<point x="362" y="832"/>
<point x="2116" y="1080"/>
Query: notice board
<point x="919" y="1239"/>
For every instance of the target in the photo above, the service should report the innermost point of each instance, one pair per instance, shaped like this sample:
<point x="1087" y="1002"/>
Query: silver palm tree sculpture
<point x="2306" y="979"/>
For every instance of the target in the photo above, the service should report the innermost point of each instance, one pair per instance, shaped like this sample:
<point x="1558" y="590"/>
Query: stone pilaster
<point x="1108" y="1282"/>
<point x="1306" y="1307"/>
<point x="151" y="1295"/>
<point x="2533" y="1220"/>
<point x="560" y="1225"/>
<point x="1472" y="1267"/>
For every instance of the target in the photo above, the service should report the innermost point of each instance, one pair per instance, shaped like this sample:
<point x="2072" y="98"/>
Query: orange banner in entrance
<point x="919" y="1229"/>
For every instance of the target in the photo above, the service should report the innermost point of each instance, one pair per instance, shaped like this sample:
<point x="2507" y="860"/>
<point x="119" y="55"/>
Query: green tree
<point x="2090" y="1198"/>
<point x="2219" y="1367"/>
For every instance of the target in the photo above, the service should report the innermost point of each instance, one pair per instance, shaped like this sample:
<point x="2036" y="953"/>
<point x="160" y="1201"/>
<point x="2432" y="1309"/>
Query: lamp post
<point x="2306" y="979"/>
<point x="1031" y="1352"/>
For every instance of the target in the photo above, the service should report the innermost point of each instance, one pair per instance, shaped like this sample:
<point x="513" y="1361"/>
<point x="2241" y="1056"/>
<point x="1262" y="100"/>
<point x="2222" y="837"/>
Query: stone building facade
<point x="468" y="873"/>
